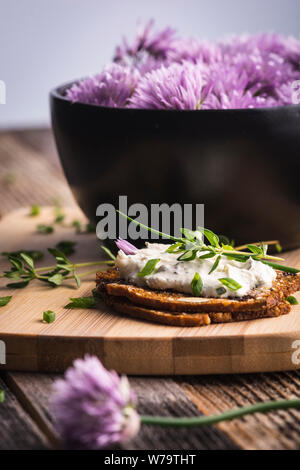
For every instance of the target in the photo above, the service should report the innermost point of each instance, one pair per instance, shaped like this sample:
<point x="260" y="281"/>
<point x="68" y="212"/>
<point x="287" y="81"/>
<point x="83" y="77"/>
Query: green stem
<point x="153" y="230"/>
<point x="83" y="274"/>
<point x="226" y="416"/>
<point x="78" y="265"/>
<point x="287" y="269"/>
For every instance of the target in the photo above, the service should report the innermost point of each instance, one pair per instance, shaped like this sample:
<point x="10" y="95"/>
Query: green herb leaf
<point x="56" y="279"/>
<point x="175" y="248"/>
<point x="59" y="218"/>
<point x="211" y="236"/>
<point x="207" y="255"/>
<point x="77" y="225"/>
<point x="18" y="285"/>
<point x="82" y="302"/>
<point x="192" y="235"/>
<point x="187" y="255"/>
<point x="34" y="254"/>
<point x="27" y="260"/>
<point x="255" y="249"/>
<point x="148" y="268"/>
<point x="34" y="210"/>
<point x="197" y="285"/>
<point x="44" y="229"/>
<point x="66" y="247"/>
<point x="215" y="265"/>
<point x="2" y="396"/>
<point x="49" y="316"/>
<point x="278" y="248"/>
<point x="5" y="300"/>
<point x="236" y="257"/>
<point x="230" y="283"/>
<point x="58" y="255"/>
<point x="292" y="300"/>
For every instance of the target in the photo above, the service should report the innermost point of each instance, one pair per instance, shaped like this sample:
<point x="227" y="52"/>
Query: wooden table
<point x="30" y="173"/>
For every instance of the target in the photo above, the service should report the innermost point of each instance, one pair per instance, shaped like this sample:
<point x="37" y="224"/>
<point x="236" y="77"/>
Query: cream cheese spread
<point x="178" y="275"/>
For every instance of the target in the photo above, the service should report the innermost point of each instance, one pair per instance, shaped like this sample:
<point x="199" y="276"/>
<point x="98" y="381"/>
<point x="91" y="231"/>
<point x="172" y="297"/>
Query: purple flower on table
<point x="126" y="247"/>
<point x="94" y="408"/>
<point x="113" y="87"/>
<point x="180" y="86"/>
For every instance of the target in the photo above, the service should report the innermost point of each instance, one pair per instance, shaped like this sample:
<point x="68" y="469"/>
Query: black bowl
<point x="244" y="165"/>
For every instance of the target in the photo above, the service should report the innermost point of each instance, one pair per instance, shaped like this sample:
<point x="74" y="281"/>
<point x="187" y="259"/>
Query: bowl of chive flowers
<point x="185" y="120"/>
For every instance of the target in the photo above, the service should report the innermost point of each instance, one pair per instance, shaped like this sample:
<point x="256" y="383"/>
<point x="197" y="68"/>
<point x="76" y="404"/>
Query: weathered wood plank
<point x="276" y="430"/>
<point x="18" y="430"/>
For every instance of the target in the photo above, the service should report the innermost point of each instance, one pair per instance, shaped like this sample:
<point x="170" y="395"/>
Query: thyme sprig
<point x="203" y="243"/>
<point x="23" y="271"/>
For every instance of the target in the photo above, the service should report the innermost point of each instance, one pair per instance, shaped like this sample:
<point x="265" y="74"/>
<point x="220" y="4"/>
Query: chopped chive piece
<point x="230" y="283"/>
<point x="292" y="300"/>
<point x="2" y="396"/>
<point x="197" y="285"/>
<point x="220" y="290"/>
<point x="280" y="267"/>
<point x="34" y="210"/>
<point x="44" y="229"/>
<point x="148" y="268"/>
<point x="215" y="265"/>
<point x="4" y="300"/>
<point x="77" y="225"/>
<point x="48" y="316"/>
<point x="278" y="248"/>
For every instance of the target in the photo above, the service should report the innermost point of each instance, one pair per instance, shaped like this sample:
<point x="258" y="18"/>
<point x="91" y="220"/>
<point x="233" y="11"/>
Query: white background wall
<point x="46" y="42"/>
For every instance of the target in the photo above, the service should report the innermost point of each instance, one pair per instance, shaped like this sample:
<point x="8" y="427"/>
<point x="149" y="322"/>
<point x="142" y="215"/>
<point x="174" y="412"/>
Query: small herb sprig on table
<point x="192" y="245"/>
<point x="23" y="270"/>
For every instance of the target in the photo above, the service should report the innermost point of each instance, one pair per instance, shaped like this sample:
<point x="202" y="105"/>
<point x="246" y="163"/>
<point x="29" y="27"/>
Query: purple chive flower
<point x="146" y="43"/>
<point x="93" y="407"/>
<point x="159" y="70"/>
<point x="180" y="86"/>
<point x="113" y="87"/>
<point x="125" y="246"/>
<point x="193" y="50"/>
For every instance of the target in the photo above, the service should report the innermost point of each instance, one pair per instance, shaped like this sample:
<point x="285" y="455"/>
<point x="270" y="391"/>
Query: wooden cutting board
<point x="124" y="344"/>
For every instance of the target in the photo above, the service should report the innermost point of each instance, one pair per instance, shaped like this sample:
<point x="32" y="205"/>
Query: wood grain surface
<point x="127" y="345"/>
<point x="28" y="393"/>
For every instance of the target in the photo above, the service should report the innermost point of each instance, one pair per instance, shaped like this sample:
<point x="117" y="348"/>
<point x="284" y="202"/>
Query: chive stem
<point x="226" y="416"/>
